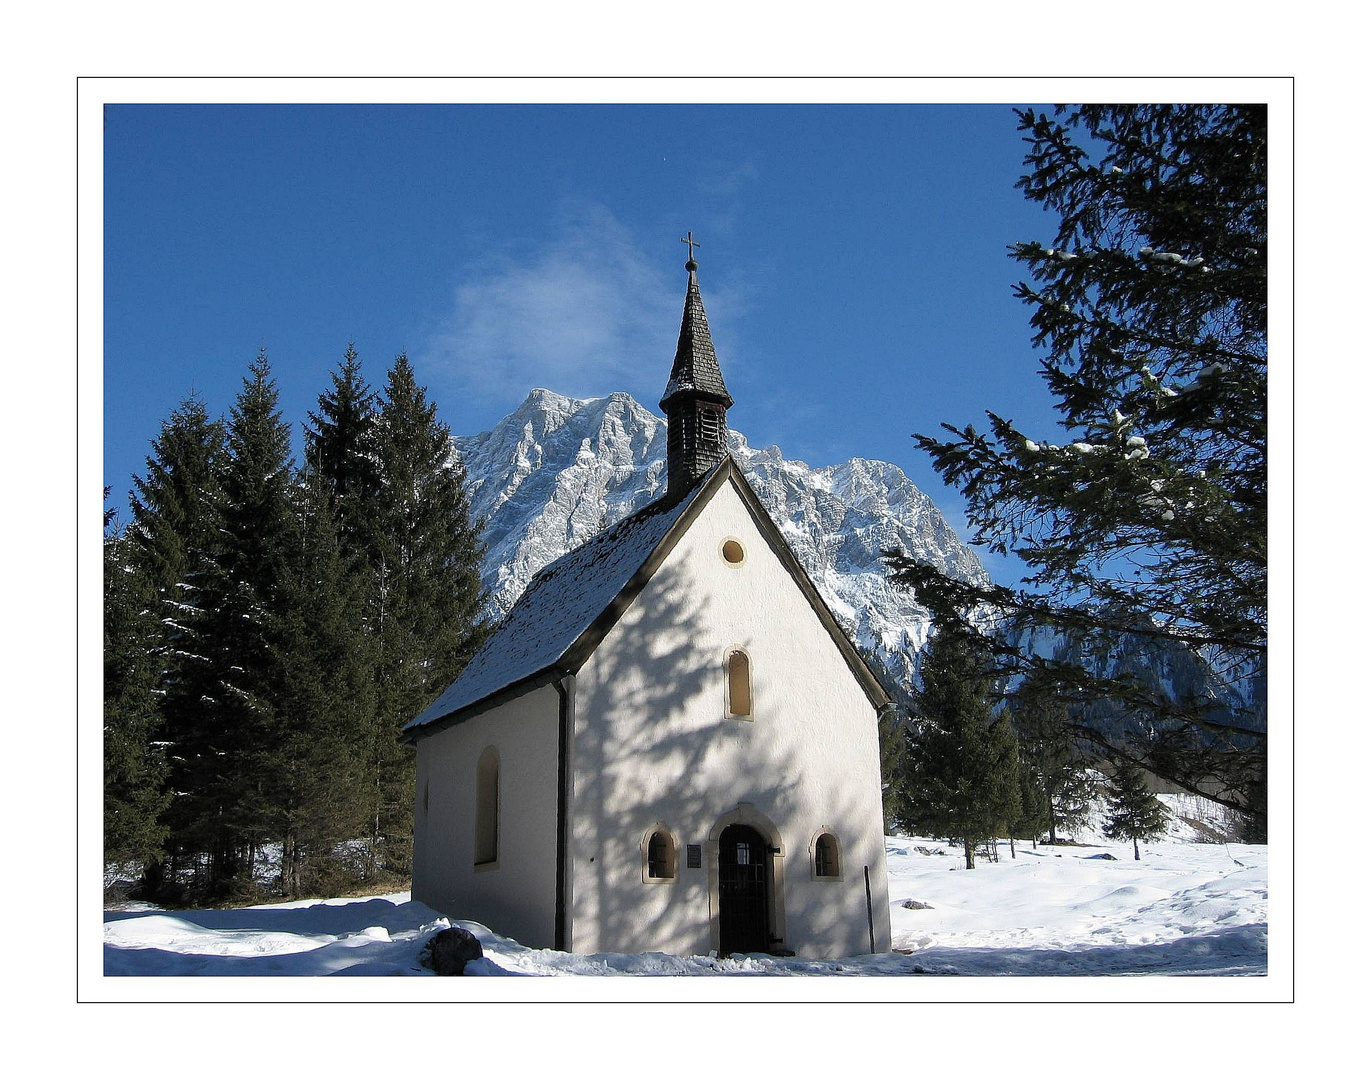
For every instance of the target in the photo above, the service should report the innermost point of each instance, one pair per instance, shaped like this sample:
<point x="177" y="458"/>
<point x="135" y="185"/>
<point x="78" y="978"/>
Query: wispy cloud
<point x="721" y="187"/>
<point x="586" y="313"/>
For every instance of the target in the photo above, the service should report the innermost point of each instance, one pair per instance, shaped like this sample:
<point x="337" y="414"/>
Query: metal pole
<point x="870" y="922"/>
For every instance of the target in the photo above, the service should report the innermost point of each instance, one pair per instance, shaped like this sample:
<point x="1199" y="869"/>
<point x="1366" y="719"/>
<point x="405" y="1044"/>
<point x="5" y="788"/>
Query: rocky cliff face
<point x="555" y="471"/>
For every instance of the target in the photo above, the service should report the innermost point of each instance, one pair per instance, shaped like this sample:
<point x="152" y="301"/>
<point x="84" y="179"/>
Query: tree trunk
<point x="288" y="866"/>
<point x="1011" y="847"/>
<point x="154" y="878"/>
<point x="1136" y="856"/>
<point x="969" y="846"/>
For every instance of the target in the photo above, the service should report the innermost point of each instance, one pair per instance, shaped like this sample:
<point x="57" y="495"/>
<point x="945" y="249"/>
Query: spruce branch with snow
<point x="1145" y="528"/>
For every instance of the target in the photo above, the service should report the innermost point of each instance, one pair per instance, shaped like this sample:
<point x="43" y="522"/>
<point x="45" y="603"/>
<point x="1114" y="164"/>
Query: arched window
<point x="488" y="806"/>
<point x="739" y="684"/>
<point x="826" y="856"/>
<point x="659" y="855"/>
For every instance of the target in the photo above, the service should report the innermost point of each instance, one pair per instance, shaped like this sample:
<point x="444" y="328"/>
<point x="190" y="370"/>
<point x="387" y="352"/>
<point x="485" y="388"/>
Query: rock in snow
<point x="449" y="951"/>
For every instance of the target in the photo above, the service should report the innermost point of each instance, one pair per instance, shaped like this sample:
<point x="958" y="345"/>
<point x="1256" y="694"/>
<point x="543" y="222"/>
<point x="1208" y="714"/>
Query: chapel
<point x="668" y="744"/>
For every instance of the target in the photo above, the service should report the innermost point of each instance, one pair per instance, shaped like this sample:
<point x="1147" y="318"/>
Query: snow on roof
<point x="559" y="605"/>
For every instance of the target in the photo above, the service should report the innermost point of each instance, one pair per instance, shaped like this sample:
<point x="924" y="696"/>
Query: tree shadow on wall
<point x="655" y="748"/>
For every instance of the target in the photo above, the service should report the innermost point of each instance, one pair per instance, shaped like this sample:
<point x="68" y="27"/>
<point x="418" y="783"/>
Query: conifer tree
<point x="1144" y="520"/>
<point x="340" y="449"/>
<point x="174" y="506"/>
<point x="1048" y="746"/>
<point x="1004" y="785"/>
<point x="168" y="549"/>
<point x="341" y="482"/>
<point x="227" y="703"/>
<point x="323" y="699"/>
<point x="135" y="767"/>
<point x="1035" y="809"/>
<point x="892" y="736"/>
<point x="1134" y="812"/>
<point x="894" y="741"/>
<point x="428" y="596"/>
<point x="962" y="778"/>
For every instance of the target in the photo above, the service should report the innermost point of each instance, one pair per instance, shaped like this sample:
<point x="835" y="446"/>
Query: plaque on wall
<point x="693" y="856"/>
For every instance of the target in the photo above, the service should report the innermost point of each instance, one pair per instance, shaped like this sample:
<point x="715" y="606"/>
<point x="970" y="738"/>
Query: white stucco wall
<point x="652" y="745"/>
<point x="515" y="896"/>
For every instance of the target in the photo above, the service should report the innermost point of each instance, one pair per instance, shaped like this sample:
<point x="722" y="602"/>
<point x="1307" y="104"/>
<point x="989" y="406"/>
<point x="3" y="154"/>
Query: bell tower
<point x="695" y="400"/>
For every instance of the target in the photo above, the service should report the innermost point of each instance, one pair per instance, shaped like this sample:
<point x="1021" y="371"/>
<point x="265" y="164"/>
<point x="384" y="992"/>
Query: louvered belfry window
<point x="697" y="434"/>
<point x="711" y="422"/>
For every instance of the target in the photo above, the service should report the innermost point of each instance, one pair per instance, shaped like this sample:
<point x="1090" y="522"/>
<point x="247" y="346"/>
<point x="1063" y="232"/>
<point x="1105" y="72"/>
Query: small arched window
<point x="659" y="856"/>
<point x="739" y="684"/>
<point x="488" y="806"/>
<point x="826" y="856"/>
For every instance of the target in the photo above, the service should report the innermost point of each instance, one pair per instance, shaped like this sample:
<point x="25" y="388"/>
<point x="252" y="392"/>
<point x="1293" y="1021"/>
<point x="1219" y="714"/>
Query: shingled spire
<point x="695" y="400"/>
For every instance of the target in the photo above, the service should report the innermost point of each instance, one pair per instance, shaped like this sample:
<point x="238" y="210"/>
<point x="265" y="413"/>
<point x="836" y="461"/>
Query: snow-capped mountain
<point x="555" y="471"/>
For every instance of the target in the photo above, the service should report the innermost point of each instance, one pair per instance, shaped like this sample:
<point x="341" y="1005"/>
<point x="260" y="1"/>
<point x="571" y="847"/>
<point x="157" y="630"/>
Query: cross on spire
<point x="691" y="243"/>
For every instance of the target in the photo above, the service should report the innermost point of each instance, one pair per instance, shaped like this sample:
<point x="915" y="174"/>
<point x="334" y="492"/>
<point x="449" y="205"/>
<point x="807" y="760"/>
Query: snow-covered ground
<point x="1186" y="908"/>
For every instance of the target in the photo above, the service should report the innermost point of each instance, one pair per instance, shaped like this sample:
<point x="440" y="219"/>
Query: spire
<point x="696" y="367"/>
<point x="695" y="400"/>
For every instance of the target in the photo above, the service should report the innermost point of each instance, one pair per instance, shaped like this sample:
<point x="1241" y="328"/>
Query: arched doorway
<point x="744" y="891"/>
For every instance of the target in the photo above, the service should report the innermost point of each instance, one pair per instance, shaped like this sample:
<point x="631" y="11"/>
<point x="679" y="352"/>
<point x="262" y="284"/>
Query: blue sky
<point x="853" y="262"/>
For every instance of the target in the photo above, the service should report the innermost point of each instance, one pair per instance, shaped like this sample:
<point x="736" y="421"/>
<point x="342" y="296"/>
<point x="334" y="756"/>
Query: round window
<point x="733" y="552"/>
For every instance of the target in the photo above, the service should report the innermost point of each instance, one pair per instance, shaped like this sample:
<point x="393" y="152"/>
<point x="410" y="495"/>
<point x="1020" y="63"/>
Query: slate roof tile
<point x="696" y="366"/>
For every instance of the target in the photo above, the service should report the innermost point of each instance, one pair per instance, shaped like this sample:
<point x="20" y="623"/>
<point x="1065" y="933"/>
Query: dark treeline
<point x="269" y="628"/>
<point x="967" y="757"/>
